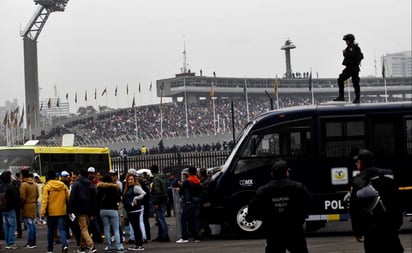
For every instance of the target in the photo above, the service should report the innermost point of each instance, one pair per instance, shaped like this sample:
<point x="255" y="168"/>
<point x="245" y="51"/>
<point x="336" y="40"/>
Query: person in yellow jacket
<point x="28" y="200"/>
<point x="54" y="206"/>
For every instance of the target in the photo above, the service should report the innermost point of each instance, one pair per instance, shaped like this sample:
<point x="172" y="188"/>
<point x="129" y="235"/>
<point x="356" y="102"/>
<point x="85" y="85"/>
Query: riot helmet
<point x="368" y="197"/>
<point x="349" y="37"/>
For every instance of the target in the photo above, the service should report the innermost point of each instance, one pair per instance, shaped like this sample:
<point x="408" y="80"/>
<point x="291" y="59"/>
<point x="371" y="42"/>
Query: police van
<point x="319" y="143"/>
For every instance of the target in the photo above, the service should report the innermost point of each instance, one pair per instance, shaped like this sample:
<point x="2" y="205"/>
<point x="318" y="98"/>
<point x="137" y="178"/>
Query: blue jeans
<point x="31" y="230"/>
<point x="60" y="223"/>
<point x="111" y="218"/>
<point x="163" y="232"/>
<point x="190" y="216"/>
<point x="9" y="226"/>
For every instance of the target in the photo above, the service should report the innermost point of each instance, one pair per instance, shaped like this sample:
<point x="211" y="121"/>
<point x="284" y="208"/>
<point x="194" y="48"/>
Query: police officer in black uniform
<point x="374" y="207"/>
<point x="352" y="58"/>
<point x="282" y="205"/>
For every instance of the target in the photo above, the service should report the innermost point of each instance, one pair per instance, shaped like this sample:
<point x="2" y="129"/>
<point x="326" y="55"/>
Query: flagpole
<point x="161" y="116"/>
<point x="311" y="87"/>
<point x="384" y="78"/>
<point x="187" y="122"/>
<point x="247" y="102"/>
<point x="276" y="87"/>
<point x="135" y="120"/>
<point x="213" y="103"/>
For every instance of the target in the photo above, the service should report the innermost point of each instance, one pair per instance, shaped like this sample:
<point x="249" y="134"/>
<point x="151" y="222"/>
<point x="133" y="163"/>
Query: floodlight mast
<point x="30" y="35"/>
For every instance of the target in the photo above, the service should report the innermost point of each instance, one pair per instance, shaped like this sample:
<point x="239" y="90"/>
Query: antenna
<point x="184" y="68"/>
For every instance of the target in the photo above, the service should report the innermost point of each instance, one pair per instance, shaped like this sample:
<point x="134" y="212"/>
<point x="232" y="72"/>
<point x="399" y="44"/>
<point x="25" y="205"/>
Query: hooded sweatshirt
<point x="55" y="199"/>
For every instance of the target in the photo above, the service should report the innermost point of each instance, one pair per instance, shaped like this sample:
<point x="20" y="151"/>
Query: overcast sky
<point x="102" y="43"/>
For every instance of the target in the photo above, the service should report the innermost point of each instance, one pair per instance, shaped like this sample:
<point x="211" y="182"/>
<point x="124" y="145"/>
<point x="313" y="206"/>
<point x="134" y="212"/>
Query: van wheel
<point x="244" y="227"/>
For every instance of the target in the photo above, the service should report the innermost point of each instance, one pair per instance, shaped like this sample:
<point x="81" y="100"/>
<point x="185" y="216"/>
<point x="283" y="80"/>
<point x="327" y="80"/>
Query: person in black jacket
<point x="352" y="58"/>
<point x="375" y="206"/>
<point x="82" y="203"/>
<point x="9" y="212"/>
<point x="108" y="199"/>
<point x="282" y="205"/>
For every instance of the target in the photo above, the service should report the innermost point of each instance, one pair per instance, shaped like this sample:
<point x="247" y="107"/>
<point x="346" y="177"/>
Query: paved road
<point x="335" y="238"/>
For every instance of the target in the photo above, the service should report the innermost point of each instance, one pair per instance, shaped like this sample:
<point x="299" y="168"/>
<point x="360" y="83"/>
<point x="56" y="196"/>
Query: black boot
<point x="357" y="99"/>
<point x="339" y="98"/>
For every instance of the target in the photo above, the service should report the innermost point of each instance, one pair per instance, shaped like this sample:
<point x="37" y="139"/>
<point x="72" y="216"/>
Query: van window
<point x="409" y="136"/>
<point x="342" y="136"/>
<point x="265" y="146"/>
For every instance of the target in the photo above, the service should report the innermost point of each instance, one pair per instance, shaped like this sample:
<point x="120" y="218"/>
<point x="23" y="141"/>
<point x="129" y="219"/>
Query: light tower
<point x="30" y="35"/>
<point x="287" y="47"/>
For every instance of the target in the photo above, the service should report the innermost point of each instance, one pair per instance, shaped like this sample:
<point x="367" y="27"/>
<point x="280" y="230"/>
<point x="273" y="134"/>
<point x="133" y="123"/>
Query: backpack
<point x="3" y="199"/>
<point x="377" y="195"/>
<point x="359" y="54"/>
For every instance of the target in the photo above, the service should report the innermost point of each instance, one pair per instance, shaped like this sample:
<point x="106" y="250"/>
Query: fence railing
<point x="170" y="163"/>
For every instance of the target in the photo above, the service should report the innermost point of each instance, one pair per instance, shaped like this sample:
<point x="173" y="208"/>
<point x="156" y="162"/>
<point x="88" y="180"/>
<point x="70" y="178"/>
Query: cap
<point x="112" y="172"/>
<point x="36" y="175"/>
<point x="91" y="170"/>
<point x="65" y="173"/>
<point x="364" y="155"/>
<point x="132" y="172"/>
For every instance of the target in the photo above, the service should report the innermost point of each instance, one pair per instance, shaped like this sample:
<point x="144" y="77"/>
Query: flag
<point x="41" y="107"/>
<point x="275" y="87"/>
<point x="383" y="68"/>
<point x="212" y="94"/>
<point x="22" y="116"/>
<point x="49" y="103"/>
<point x="150" y="87"/>
<point x="104" y="91"/>
<point x="17" y="110"/>
<point x="133" y="103"/>
<point x="310" y="81"/>
<point x="75" y="97"/>
<point x="15" y="121"/>
<point x="6" y="119"/>
<point x="127" y="89"/>
<point x="58" y="102"/>
<point x="85" y="95"/>
<point x="115" y="91"/>
<point x="95" y="93"/>
<point x="67" y="96"/>
<point x="139" y="87"/>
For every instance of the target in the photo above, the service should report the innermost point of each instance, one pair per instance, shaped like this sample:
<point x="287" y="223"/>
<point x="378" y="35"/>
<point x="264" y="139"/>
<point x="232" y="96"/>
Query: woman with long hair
<point x="108" y="199"/>
<point x="132" y="201"/>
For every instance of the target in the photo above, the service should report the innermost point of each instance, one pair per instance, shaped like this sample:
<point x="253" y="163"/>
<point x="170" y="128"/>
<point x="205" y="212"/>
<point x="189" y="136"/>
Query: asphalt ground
<point x="334" y="238"/>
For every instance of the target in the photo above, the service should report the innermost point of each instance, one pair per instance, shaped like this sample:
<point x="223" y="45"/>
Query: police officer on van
<point x="282" y="205"/>
<point x="352" y="58"/>
<point x="374" y="207"/>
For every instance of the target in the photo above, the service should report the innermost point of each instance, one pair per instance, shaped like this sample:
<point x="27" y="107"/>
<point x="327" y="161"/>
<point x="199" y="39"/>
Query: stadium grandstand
<point x="193" y="123"/>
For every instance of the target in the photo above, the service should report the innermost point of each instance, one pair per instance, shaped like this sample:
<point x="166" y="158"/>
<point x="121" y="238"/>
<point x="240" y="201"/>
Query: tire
<point x="244" y="228"/>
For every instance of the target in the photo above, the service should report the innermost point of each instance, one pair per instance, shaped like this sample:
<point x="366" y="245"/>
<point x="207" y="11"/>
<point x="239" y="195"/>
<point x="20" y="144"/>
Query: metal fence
<point x="170" y="163"/>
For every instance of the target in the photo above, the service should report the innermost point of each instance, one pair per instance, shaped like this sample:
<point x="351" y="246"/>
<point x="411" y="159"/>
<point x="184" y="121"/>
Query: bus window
<point x="409" y="136"/>
<point x="342" y="136"/>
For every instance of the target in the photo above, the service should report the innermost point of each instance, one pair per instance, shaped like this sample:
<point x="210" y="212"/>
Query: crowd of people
<point x="153" y="122"/>
<point x="92" y="208"/>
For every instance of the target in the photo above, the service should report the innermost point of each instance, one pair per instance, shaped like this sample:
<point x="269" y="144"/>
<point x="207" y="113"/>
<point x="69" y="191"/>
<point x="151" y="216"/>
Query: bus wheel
<point x="243" y="226"/>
